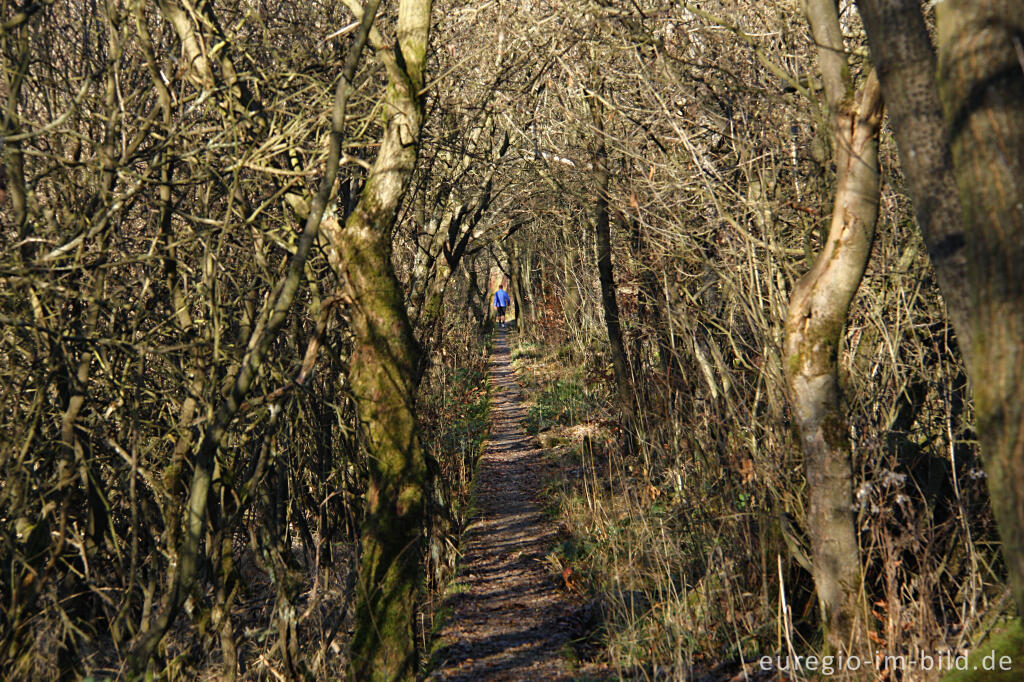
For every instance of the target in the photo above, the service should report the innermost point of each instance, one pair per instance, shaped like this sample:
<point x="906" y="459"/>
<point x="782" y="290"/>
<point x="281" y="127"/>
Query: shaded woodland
<point x="768" y="255"/>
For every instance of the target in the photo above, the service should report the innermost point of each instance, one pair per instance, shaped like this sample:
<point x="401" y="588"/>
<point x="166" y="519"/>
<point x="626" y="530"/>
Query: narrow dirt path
<point x="508" y="618"/>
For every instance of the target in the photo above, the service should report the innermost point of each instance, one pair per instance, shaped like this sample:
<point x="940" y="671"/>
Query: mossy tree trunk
<point x="981" y="85"/>
<point x="815" y="319"/>
<point x="383" y="373"/>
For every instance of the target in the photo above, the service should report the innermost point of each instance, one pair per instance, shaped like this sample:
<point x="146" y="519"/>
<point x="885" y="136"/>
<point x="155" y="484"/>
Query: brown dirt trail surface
<point x="508" y="619"/>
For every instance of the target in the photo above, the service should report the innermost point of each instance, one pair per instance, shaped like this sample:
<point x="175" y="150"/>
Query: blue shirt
<point x="501" y="299"/>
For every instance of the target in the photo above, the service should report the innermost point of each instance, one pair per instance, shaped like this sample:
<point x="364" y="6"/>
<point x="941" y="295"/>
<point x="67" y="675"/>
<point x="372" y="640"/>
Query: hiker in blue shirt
<point x="501" y="301"/>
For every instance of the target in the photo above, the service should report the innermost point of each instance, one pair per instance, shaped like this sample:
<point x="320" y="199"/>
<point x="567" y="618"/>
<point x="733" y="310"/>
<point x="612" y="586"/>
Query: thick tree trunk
<point x="906" y="64"/>
<point x="981" y="83"/>
<point x="384" y="365"/>
<point x="476" y="298"/>
<point x="817" y="314"/>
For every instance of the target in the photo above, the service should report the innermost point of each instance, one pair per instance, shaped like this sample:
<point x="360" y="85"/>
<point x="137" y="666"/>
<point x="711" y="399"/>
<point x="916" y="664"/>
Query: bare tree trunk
<point x="981" y="83"/>
<point x="476" y="298"/>
<point x="445" y="242"/>
<point x="905" y="60"/>
<point x="572" y="301"/>
<point x="520" y="268"/>
<point x="15" y="167"/>
<point x="817" y="313"/>
<point x="602" y="227"/>
<point x="383" y="374"/>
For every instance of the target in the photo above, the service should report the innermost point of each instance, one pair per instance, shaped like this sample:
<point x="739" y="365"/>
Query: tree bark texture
<point x="906" y="63"/>
<point x="383" y="373"/>
<point x="981" y="84"/>
<point x="815" y="319"/>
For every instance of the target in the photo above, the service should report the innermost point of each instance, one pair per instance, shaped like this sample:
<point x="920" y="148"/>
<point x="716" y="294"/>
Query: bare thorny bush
<point x="149" y="215"/>
<point x="152" y="235"/>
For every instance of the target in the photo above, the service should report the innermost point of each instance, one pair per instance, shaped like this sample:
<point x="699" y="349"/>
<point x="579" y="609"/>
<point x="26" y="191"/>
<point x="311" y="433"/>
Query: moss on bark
<point x="383" y="376"/>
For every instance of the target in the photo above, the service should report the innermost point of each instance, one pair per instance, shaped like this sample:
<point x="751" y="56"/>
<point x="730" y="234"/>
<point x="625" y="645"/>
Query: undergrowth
<point x="454" y="409"/>
<point x="559" y="397"/>
<point x="690" y="555"/>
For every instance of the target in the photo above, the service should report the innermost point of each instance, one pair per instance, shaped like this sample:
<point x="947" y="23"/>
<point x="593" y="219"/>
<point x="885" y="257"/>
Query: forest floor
<point x="525" y="603"/>
<point x="508" y="618"/>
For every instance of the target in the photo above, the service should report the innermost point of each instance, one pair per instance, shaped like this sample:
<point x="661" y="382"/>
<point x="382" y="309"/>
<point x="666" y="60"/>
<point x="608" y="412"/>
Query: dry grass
<point x="693" y="546"/>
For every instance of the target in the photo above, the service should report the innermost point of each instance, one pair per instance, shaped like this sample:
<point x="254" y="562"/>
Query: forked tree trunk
<point x="383" y="372"/>
<point x="817" y="314"/>
<point x="981" y="83"/>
